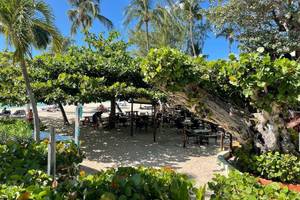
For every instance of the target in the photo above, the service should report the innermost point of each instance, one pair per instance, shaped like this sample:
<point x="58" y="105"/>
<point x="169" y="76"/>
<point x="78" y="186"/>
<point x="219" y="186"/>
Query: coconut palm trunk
<point x="36" y="121"/>
<point x="191" y="33"/>
<point x="147" y="36"/>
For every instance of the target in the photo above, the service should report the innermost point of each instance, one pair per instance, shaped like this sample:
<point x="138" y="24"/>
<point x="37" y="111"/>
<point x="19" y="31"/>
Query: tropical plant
<point x="234" y="88"/>
<point x="165" y="31"/>
<point x="13" y="129"/>
<point x="228" y="33"/>
<point x="26" y="24"/>
<point x="271" y="165"/>
<point x="122" y="183"/>
<point x="23" y="156"/>
<point x="191" y="16"/>
<point x="271" y="24"/>
<point x="243" y="186"/>
<point x="142" y="11"/>
<point x="83" y="14"/>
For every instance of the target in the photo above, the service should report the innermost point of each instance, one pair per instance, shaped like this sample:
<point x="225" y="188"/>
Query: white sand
<point x="112" y="149"/>
<point x="117" y="148"/>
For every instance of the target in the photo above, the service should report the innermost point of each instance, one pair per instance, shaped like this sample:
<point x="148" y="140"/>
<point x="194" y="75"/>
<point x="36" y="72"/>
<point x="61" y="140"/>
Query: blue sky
<point x="114" y="10"/>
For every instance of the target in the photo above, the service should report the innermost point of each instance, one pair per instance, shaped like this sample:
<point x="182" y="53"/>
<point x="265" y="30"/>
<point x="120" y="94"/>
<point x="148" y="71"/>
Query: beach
<point x="115" y="148"/>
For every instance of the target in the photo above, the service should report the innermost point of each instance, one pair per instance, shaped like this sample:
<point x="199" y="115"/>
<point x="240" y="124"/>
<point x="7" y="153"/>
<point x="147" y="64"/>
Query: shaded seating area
<point x="154" y="119"/>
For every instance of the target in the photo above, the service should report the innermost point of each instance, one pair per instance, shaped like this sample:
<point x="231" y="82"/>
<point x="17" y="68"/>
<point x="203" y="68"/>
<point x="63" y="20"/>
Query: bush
<point x="274" y="166"/>
<point x="14" y="129"/>
<point x="243" y="186"/>
<point x="132" y="183"/>
<point x="278" y="167"/>
<point x="34" y="192"/>
<point x="18" y="158"/>
<point x="114" y="184"/>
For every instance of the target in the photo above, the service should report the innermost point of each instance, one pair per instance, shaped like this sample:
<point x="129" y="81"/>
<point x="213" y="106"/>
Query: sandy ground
<point x="106" y="149"/>
<point x="117" y="148"/>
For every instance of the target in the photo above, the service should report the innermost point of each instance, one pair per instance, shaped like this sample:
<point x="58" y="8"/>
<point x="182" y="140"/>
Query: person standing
<point x="30" y="116"/>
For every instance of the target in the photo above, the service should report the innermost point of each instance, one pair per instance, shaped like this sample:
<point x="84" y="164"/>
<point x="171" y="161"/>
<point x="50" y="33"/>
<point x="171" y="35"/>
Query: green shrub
<point x="34" y="192"/>
<point x="113" y="184"/>
<point x="243" y="186"/>
<point x="278" y="167"/>
<point x="132" y="183"/>
<point x="14" y="129"/>
<point x="18" y="158"/>
<point x="274" y="166"/>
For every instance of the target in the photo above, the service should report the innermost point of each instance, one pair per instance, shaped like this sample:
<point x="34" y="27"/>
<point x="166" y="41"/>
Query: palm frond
<point x="44" y="10"/>
<point x="105" y="21"/>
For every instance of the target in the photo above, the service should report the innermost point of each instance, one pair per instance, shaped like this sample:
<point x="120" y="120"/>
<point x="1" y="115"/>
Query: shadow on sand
<point x="120" y="148"/>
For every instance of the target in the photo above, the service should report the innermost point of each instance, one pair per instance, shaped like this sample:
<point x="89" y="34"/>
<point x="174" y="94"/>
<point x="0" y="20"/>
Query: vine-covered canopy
<point x="98" y="72"/>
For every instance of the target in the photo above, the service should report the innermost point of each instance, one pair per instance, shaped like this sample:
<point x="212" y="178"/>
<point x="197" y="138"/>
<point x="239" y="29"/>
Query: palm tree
<point x="190" y="13"/>
<point x="228" y="33"/>
<point x="140" y="10"/>
<point x="84" y="12"/>
<point x="26" y="24"/>
<point x="168" y="31"/>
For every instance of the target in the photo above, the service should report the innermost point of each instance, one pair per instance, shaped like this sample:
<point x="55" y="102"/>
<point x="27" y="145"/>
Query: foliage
<point x="178" y="24"/>
<point x="169" y="68"/>
<point x="82" y="74"/>
<point x="274" y="166"/>
<point x="14" y="129"/>
<point x="27" y="23"/>
<point x="12" y="84"/>
<point x="252" y="83"/>
<point x="243" y="186"/>
<point x="251" y="77"/>
<point x="83" y="14"/>
<point x="35" y="192"/>
<point x="280" y="167"/>
<point x="121" y="183"/>
<point x="23" y="157"/>
<point x="142" y="11"/>
<point x="134" y="183"/>
<point x="271" y="24"/>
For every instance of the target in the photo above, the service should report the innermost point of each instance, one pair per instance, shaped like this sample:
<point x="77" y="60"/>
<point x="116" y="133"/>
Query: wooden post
<point x="52" y="153"/>
<point x="131" y="118"/>
<point x="154" y="123"/>
<point x="78" y="112"/>
<point x="230" y="144"/>
<point x="222" y="141"/>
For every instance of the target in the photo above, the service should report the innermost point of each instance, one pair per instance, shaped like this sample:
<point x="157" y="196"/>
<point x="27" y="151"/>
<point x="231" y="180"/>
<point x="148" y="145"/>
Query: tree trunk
<point x="66" y="121"/>
<point x="230" y="45"/>
<point x="274" y="131"/>
<point x="147" y="36"/>
<point x="112" y="116"/>
<point x="36" y="121"/>
<point x="236" y="121"/>
<point x="119" y="108"/>
<point x="192" y="34"/>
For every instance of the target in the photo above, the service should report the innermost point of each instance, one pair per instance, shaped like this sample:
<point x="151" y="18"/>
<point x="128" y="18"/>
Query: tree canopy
<point x="228" y="92"/>
<point x="96" y="73"/>
<point x="271" y="24"/>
